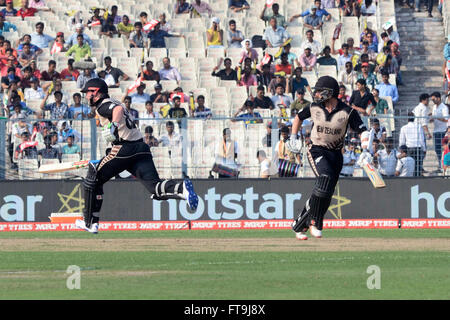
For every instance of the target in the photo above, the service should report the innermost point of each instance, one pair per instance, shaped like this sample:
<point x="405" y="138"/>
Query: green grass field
<point x="250" y="264"/>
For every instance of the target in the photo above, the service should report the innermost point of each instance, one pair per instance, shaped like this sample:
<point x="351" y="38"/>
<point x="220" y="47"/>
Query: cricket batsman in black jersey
<point x="129" y="152"/>
<point x="331" y="118"/>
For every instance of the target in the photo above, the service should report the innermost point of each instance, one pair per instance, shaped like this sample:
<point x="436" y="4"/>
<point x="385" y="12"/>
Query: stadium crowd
<point x="272" y="67"/>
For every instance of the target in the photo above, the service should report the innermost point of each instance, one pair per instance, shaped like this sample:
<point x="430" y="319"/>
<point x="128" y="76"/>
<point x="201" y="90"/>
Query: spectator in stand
<point x="10" y="76"/>
<point x="128" y="101"/>
<point x="149" y="138"/>
<point x="312" y="21"/>
<point x="370" y="35"/>
<point x="386" y="159"/>
<point x="265" y="76"/>
<point x="227" y="73"/>
<point x="326" y="59"/>
<point x="27" y="39"/>
<point x="157" y="36"/>
<point x="214" y="35"/>
<point x="361" y="98"/>
<point x="280" y="99"/>
<point x="78" y="110"/>
<point x="343" y="96"/>
<point x="298" y="82"/>
<point x="9" y="10"/>
<point x="235" y="37"/>
<point x="79" y="30"/>
<point x="59" y="45"/>
<point x="27" y="148"/>
<point x="348" y="76"/>
<point x="84" y="77"/>
<point x="322" y="13"/>
<point x="328" y="4"/>
<point x="275" y="35"/>
<point x="38" y="4"/>
<point x="114" y="16"/>
<point x="96" y="18"/>
<point x="387" y="89"/>
<point x="292" y="57"/>
<point x="9" y="53"/>
<point x="168" y="72"/>
<point x="382" y="106"/>
<point x="148" y="73"/>
<point x="50" y="74"/>
<point x="268" y="169"/>
<point x="34" y="70"/>
<point x="267" y="139"/>
<point x="405" y="164"/>
<point x="366" y="50"/>
<point x="6" y="68"/>
<point x="369" y="77"/>
<point x="199" y="8"/>
<point x="349" y="158"/>
<point x="165" y="25"/>
<point x="300" y="102"/>
<point x="184" y="98"/>
<point x="65" y="131"/>
<point x="308" y="60"/>
<point x="56" y="86"/>
<point x="262" y="101"/>
<point x="378" y="132"/>
<point x="248" y="79"/>
<point x="344" y="57"/>
<point x="247" y="114"/>
<point x="364" y="58"/>
<point x="116" y="73"/>
<point x="158" y="96"/>
<point x="315" y="46"/>
<point x="40" y="39"/>
<point x="177" y="112"/>
<point x="238" y="5"/>
<point x="71" y="147"/>
<point x="412" y="135"/>
<point x="284" y="65"/>
<point x="201" y="112"/>
<point x="226" y="151"/>
<point x="181" y="7"/>
<point x="35" y="92"/>
<point x="6" y="26"/>
<point x="368" y="8"/>
<point x="80" y="51"/>
<point x="149" y="117"/>
<point x="280" y="78"/>
<point x="440" y="117"/>
<point x="274" y="12"/>
<point x="383" y="43"/>
<point x="125" y="28"/>
<point x="140" y="96"/>
<point x="108" y="29"/>
<point x="349" y="8"/>
<point x="25" y="10"/>
<point x="70" y="73"/>
<point x="281" y="152"/>
<point x="388" y="27"/>
<point x="58" y="109"/>
<point x="248" y="51"/>
<point x="25" y="82"/>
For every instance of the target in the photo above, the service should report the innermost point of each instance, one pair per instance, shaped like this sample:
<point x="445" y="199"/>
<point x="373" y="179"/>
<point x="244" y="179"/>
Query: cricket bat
<point x="65" y="166"/>
<point x="373" y="174"/>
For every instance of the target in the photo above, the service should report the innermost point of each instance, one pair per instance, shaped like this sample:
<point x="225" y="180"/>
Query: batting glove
<point x="109" y="132"/>
<point x="294" y="144"/>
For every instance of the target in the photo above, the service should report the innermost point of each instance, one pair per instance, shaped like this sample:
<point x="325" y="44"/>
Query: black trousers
<point x="325" y="161"/>
<point x="418" y="155"/>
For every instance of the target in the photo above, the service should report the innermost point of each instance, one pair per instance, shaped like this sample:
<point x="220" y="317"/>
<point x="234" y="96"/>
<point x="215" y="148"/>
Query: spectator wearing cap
<point x="181" y="7"/>
<point x="6" y="26"/>
<point x="247" y="114"/>
<point x="261" y="100"/>
<point x="275" y="35"/>
<point x="125" y="28"/>
<point x="78" y="110"/>
<point x="116" y="73"/>
<point x="157" y="36"/>
<point x="137" y="38"/>
<point x="348" y="76"/>
<point x="199" y="8"/>
<point x="315" y="46"/>
<point x="9" y="10"/>
<point x="58" y="109"/>
<point x="298" y="82"/>
<point x="267" y="14"/>
<point x="40" y="39"/>
<point x="326" y="59"/>
<point x="440" y="117"/>
<point x="387" y="89"/>
<point x="79" y="29"/>
<point x="70" y="73"/>
<point x="238" y="5"/>
<point x="300" y="102"/>
<point x="140" y="96"/>
<point x="361" y="98"/>
<point x="235" y="37"/>
<point x="148" y="73"/>
<point x="388" y="27"/>
<point x="50" y="74"/>
<point x="80" y="51"/>
<point x="382" y="106"/>
<point x="35" y="92"/>
<point x="59" y="45"/>
<point x="405" y="164"/>
<point x="168" y="72"/>
<point x="307" y="59"/>
<point x="158" y="96"/>
<point x="369" y="77"/>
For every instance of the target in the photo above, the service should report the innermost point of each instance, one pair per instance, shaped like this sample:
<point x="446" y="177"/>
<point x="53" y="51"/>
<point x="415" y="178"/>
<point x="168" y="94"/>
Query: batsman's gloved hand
<point x="109" y="132"/>
<point x="294" y="144"/>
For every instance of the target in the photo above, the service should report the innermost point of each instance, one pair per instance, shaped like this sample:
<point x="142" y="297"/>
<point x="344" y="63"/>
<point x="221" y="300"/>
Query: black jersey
<point x="329" y="129"/>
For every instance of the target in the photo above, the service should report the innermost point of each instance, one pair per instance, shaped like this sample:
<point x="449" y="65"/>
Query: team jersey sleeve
<point x="355" y="122"/>
<point x="106" y="110"/>
<point x="305" y="113"/>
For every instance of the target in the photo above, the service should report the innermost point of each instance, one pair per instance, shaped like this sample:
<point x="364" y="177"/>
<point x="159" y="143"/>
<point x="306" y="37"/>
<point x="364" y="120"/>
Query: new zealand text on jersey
<point x="328" y="130"/>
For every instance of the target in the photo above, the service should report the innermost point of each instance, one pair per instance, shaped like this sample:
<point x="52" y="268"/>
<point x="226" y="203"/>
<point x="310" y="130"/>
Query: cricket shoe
<point x="316" y="233"/>
<point x="189" y="194"/>
<point x="301" y="236"/>
<point x="80" y="224"/>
